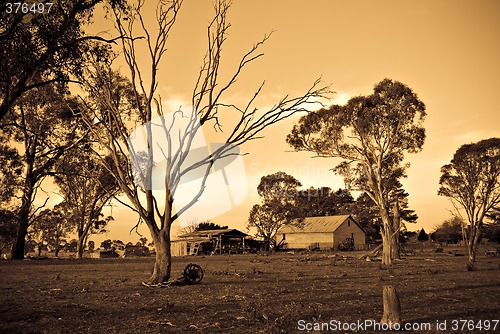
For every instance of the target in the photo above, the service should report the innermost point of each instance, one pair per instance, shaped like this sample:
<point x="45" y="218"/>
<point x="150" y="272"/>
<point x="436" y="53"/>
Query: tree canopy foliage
<point x="7" y="229"/>
<point x="491" y="232"/>
<point x="323" y="201"/>
<point x="86" y="187"/>
<point x="50" y="229"/>
<point x="10" y="176"/>
<point x="450" y="231"/>
<point x="208" y="225"/>
<point x="472" y="182"/>
<point x="279" y="205"/>
<point x="372" y="132"/>
<point x="422" y="235"/>
<point x="36" y="131"/>
<point x="37" y="50"/>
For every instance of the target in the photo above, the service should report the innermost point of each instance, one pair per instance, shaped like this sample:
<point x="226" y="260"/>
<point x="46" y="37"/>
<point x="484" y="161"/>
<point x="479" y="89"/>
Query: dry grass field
<point x="241" y="294"/>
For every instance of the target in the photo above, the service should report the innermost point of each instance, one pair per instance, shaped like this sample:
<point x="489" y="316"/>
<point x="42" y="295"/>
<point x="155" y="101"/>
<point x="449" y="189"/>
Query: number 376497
<point x="28" y="7"/>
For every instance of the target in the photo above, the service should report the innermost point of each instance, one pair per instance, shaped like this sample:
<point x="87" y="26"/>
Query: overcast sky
<point x="448" y="52"/>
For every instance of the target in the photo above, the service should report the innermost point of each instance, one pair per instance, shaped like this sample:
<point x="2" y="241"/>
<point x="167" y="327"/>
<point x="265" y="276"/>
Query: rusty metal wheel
<point x="193" y="274"/>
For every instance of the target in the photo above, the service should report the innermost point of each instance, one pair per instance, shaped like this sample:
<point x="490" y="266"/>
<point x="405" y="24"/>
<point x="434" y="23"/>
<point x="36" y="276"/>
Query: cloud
<point x="470" y="137"/>
<point x="341" y="98"/>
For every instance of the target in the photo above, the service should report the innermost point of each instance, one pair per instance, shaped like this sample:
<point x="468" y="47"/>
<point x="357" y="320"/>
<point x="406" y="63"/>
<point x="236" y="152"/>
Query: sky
<point x="447" y="52"/>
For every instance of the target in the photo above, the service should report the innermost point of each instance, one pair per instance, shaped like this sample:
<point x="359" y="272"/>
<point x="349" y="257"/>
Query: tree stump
<point x="392" y="307"/>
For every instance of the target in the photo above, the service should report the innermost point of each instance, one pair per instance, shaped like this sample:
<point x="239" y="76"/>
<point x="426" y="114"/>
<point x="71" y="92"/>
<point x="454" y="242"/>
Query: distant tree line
<point x="117" y="244"/>
<point x="451" y="231"/>
<point x="282" y="202"/>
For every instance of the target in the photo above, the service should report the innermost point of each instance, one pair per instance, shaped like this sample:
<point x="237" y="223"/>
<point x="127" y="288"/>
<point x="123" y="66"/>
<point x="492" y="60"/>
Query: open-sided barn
<point x="330" y="232"/>
<point x="210" y="242"/>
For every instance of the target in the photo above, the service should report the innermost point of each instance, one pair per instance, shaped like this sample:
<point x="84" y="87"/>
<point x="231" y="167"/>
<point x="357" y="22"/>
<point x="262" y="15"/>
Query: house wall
<point x="304" y="240"/>
<point x="348" y="230"/>
<point x="326" y="240"/>
<point x="178" y="248"/>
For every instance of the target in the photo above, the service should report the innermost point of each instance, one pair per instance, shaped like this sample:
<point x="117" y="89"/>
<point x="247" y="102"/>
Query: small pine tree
<point x="422" y="236"/>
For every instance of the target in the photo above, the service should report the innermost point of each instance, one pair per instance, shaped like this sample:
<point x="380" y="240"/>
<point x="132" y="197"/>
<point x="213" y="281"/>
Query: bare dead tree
<point x="115" y="106"/>
<point x="189" y="227"/>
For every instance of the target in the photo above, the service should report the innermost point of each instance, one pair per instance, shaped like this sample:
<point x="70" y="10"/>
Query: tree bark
<point x="268" y="244"/>
<point x="163" y="260"/>
<point x="395" y="246"/>
<point x="24" y="212"/>
<point x="472" y="247"/>
<point x="396" y="224"/>
<point x="386" y="238"/>
<point x="57" y="246"/>
<point x="79" y="247"/>
<point x="392" y="306"/>
<point x="386" y="247"/>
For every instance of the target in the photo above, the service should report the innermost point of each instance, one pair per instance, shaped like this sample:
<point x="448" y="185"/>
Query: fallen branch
<point x="372" y="253"/>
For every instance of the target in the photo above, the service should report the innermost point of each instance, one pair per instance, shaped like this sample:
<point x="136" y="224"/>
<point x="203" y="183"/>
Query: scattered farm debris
<point x="192" y="274"/>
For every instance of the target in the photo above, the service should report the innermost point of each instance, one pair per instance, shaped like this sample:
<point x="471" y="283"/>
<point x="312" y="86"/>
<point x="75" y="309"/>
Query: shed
<point x="136" y="251"/>
<point x="329" y="232"/>
<point x="108" y="254"/>
<point x="210" y="242"/>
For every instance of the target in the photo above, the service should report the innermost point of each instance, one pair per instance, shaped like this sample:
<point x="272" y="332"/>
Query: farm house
<point x="330" y="232"/>
<point x="210" y="242"/>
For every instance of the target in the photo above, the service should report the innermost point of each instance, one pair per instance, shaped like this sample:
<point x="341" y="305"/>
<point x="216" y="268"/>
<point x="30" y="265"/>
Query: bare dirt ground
<point x="241" y="294"/>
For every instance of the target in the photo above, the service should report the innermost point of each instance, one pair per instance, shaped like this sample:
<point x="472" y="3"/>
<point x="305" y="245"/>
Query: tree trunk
<point x="268" y="243"/>
<point x="24" y="212"/>
<point x="396" y="224"/>
<point x="18" y="248"/>
<point x="386" y="247"/>
<point x="163" y="260"/>
<point x="80" y="245"/>
<point x="386" y="238"/>
<point x="392" y="306"/>
<point x="56" y="244"/>
<point x="472" y="247"/>
<point x="395" y="246"/>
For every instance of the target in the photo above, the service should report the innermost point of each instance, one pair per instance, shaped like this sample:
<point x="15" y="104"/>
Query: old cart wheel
<point x="193" y="274"/>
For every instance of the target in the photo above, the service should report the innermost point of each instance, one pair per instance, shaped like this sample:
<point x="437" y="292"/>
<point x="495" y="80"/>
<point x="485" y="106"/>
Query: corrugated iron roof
<point x="314" y="224"/>
<point x="228" y="231"/>
<point x="192" y="239"/>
